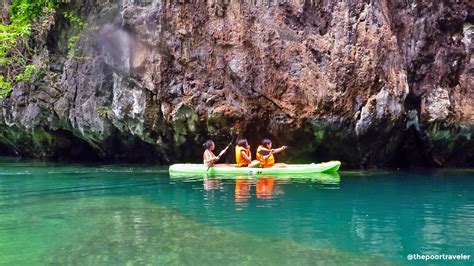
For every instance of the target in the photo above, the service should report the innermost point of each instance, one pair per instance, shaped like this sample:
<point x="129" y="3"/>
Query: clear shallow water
<point x="117" y="215"/>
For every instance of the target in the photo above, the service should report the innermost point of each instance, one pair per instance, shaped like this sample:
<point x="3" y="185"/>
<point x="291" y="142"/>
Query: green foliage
<point x="15" y="53"/>
<point x="27" y="10"/>
<point x="27" y="73"/>
<point x="77" y="27"/>
<point x="29" y="18"/>
<point x="9" y="36"/>
<point x="74" y="19"/>
<point x="103" y="111"/>
<point x="5" y="86"/>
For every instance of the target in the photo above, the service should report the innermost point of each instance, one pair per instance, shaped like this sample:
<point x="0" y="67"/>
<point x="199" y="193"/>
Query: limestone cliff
<point x="371" y="83"/>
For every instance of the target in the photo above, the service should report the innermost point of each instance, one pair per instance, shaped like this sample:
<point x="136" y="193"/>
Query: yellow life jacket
<point x="269" y="162"/>
<point x="240" y="160"/>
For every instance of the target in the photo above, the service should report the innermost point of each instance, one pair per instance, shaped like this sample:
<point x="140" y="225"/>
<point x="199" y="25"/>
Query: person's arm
<point x="210" y="159"/>
<point x="247" y="158"/>
<point x="265" y="154"/>
<point x="218" y="157"/>
<point x="282" y="148"/>
<point x="211" y="162"/>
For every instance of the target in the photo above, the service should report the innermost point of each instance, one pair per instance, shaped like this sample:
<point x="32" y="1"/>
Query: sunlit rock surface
<point x="373" y="84"/>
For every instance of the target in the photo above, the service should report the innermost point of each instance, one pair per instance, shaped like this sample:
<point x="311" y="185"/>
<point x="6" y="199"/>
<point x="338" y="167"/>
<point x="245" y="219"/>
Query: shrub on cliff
<point x="26" y="18"/>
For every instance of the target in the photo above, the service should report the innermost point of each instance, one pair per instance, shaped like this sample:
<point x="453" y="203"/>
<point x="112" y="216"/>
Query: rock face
<point x="371" y="83"/>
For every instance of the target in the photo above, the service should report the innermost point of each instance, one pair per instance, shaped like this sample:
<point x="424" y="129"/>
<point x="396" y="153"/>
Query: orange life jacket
<point x="239" y="158"/>
<point x="269" y="162"/>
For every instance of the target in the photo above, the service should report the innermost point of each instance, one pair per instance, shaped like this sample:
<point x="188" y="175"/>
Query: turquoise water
<point x="59" y="214"/>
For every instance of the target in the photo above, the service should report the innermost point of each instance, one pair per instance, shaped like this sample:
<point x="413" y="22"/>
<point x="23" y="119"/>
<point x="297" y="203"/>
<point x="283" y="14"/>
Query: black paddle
<point x="223" y="151"/>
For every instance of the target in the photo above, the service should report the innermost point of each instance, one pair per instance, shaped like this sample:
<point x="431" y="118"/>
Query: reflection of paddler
<point x="264" y="187"/>
<point x="211" y="184"/>
<point x="242" y="192"/>
<point x="242" y="189"/>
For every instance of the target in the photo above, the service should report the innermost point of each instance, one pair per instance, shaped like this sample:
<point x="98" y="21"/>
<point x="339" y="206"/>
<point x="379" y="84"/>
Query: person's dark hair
<point x="265" y="142"/>
<point x="242" y="143"/>
<point x="208" y="144"/>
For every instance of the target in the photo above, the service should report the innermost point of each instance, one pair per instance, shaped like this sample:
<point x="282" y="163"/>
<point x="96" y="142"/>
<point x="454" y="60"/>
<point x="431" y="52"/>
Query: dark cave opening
<point x="413" y="102"/>
<point x="7" y="150"/>
<point x="131" y="149"/>
<point x="67" y="146"/>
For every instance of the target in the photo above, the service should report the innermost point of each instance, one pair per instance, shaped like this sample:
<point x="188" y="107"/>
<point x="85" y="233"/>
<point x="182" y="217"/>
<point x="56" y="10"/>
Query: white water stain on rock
<point x="382" y="105"/>
<point x="128" y="106"/>
<point x="468" y="32"/>
<point x="436" y="105"/>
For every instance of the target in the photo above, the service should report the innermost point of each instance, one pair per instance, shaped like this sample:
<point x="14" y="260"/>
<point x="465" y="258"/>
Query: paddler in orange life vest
<point x="243" y="156"/>
<point x="265" y="154"/>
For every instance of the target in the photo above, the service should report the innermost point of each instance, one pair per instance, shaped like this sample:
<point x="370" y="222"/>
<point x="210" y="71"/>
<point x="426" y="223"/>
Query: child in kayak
<point x="243" y="157"/>
<point x="209" y="158"/>
<point x="265" y="154"/>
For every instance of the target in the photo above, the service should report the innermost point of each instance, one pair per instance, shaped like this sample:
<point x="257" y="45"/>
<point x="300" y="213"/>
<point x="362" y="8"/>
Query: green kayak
<point x="193" y="169"/>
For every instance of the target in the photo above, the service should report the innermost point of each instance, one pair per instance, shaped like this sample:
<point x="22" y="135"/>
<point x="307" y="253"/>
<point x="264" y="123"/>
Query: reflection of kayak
<point x="291" y="169"/>
<point x="322" y="178"/>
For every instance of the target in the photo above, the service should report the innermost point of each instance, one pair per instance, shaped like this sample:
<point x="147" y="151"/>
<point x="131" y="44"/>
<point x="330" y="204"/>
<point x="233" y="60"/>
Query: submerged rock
<point x="374" y="84"/>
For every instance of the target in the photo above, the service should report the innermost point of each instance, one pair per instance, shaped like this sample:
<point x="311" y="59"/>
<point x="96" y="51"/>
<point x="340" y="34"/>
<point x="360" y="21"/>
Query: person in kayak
<point x="209" y="158"/>
<point x="265" y="154"/>
<point x="243" y="156"/>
